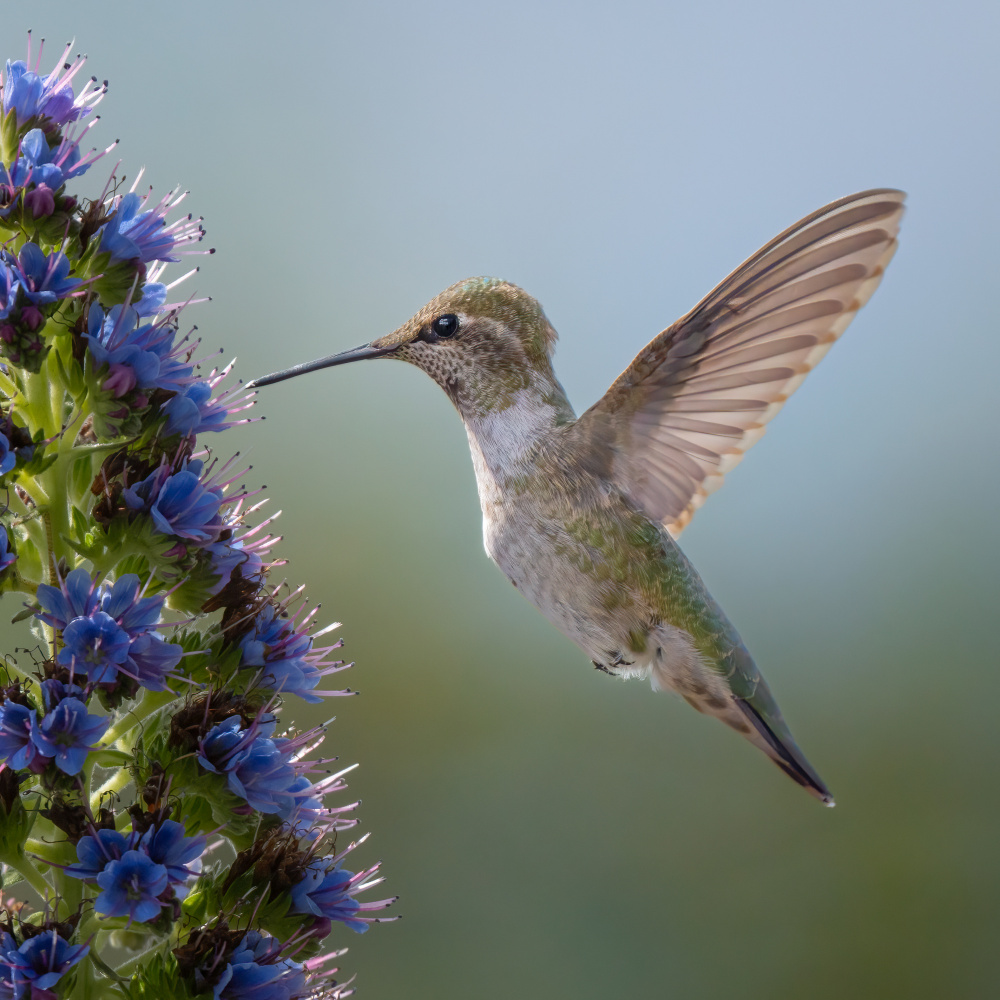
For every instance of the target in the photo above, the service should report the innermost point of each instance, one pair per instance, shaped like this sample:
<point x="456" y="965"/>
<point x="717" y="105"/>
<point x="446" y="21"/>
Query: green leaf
<point x="81" y="523"/>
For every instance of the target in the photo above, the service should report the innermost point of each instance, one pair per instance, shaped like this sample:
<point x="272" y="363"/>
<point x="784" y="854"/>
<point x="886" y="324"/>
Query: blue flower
<point x="50" y="97"/>
<point x="166" y="845"/>
<point x="131" y="885"/>
<point x="7" y="556"/>
<point x="230" y="555"/>
<point x="8" y="285"/>
<point x="7" y="457"/>
<point x="179" y="504"/>
<point x="154" y="295"/>
<point x="257" y="768"/>
<point x="256" y="971"/>
<point x="222" y="742"/>
<point x="72" y="598"/>
<point x="96" y="645"/>
<point x="31" y="970"/>
<point x="133" y="234"/>
<point x="150" y="659"/>
<point x="95" y="852"/>
<point x="16" y="726"/>
<point x="138" y="356"/>
<point x="133" y="613"/>
<point x="43" y="280"/>
<point x="262" y="775"/>
<point x="41" y="165"/>
<point x="193" y="411"/>
<point x="285" y="655"/>
<point x="68" y="733"/>
<point x="328" y="894"/>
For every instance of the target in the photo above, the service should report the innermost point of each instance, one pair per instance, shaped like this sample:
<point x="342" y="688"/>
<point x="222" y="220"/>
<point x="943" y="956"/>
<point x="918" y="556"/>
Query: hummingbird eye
<point x="445" y="326"/>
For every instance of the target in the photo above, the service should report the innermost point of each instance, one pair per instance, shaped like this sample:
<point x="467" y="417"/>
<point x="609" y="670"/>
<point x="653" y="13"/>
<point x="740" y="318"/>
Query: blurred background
<point x="552" y="832"/>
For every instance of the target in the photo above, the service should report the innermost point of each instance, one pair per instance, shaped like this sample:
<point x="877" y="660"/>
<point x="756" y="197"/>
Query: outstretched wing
<point x="696" y="397"/>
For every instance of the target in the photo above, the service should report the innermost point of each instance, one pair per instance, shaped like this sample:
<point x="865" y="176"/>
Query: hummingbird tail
<point x="786" y="754"/>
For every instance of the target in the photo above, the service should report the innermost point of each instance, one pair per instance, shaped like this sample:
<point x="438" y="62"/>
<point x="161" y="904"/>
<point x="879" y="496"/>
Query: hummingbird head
<point x="483" y="340"/>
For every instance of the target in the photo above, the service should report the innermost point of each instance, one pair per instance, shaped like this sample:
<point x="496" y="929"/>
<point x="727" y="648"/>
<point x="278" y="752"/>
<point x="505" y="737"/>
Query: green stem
<point x="150" y="703"/>
<point x="44" y="850"/>
<point x="112" y="786"/>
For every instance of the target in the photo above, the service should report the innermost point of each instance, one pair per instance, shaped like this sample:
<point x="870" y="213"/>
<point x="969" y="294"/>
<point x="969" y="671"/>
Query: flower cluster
<point x="63" y="737"/>
<point x="140" y="873"/>
<point x="142" y="738"/>
<point x="32" y="285"/>
<point x="108" y="632"/>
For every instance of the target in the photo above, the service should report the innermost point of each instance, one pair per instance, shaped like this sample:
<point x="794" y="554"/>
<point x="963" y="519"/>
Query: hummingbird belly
<point x="614" y="583"/>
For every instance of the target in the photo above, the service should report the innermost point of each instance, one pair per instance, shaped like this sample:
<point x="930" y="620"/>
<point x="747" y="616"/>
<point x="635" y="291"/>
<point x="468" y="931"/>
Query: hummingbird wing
<point x="699" y="395"/>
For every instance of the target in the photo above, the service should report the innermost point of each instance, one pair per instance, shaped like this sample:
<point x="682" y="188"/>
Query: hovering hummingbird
<point x="582" y="513"/>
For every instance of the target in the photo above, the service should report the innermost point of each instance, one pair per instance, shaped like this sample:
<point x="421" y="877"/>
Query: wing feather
<point x="699" y="395"/>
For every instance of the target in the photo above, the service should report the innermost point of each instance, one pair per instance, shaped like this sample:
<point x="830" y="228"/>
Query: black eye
<point x="445" y="326"/>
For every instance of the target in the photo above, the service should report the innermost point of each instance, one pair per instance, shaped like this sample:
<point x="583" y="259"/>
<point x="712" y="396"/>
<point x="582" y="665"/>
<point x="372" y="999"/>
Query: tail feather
<point x="786" y="754"/>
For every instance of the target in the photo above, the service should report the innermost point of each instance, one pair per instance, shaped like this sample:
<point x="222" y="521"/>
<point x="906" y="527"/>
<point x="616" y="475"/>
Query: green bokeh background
<point x="554" y="833"/>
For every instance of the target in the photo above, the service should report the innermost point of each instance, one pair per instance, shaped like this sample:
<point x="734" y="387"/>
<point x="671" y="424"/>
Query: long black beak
<point x="358" y="354"/>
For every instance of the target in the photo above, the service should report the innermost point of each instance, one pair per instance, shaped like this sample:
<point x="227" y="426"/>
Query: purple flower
<point x="328" y="894"/>
<point x="133" y="234"/>
<point x="37" y="965"/>
<point x="7" y="557"/>
<point x="133" y="613"/>
<point x="54" y="691"/>
<point x="151" y="660"/>
<point x="131" y="885"/>
<point x="256" y="971"/>
<point x="41" y="201"/>
<point x="68" y="733"/>
<point x="179" y="503"/>
<point x="16" y="726"/>
<point x="50" y="97"/>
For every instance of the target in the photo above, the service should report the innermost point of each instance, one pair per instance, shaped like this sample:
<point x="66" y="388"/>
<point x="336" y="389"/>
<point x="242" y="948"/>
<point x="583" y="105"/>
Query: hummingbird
<point x="582" y="514"/>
